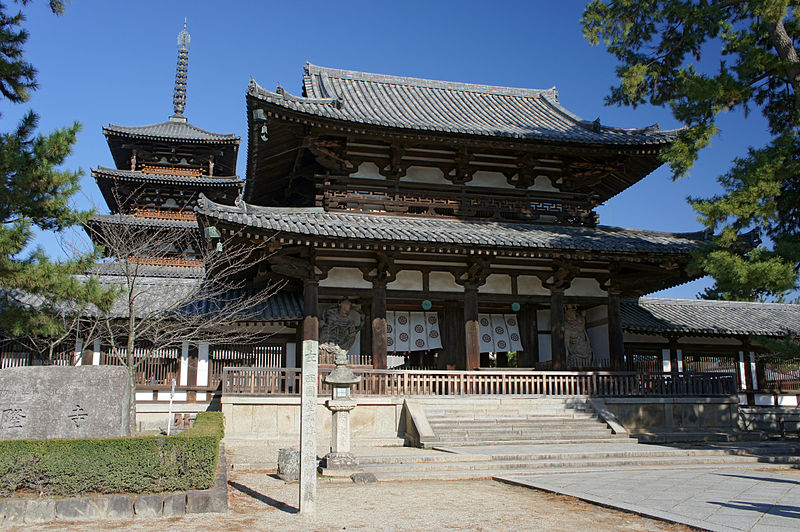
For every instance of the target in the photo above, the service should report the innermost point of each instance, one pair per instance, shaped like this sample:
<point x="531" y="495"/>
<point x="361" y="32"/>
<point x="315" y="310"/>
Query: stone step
<point x="510" y="416"/>
<point x="705" y="436"/>
<point x="544" y="441"/>
<point x="519" y="434"/>
<point x="504" y="432"/>
<point x="523" y="411"/>
<point x="628" y="451"/>
<point x="577" y="425"/>
<point x="478" y="474"/>
<point x="566" y="464"/>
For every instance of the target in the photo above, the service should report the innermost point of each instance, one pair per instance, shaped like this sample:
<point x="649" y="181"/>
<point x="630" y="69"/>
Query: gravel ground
<point x="259" y="501"/>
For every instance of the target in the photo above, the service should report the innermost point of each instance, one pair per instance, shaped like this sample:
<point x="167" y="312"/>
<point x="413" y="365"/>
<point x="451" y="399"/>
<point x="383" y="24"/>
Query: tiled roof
<point x="130" y="175"/>
<point x="109" y="270"/>
<point x="449" y="107"/>
<point x="657" y="315"/>
<point x="173" y="129"/>
<point x="129" y="219"/>
<point x="280" y="306"/>
<point x="304" y="222"/>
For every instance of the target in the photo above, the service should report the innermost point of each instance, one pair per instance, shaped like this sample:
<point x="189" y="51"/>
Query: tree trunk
<point x="132" y="408"/>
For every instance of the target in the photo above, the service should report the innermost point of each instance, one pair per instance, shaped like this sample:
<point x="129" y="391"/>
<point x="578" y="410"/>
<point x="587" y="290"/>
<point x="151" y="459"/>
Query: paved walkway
<point x="721" y="499"/>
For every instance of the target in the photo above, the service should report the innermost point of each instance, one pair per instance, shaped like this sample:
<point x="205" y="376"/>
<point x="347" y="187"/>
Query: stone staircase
<point x="457" y="421"/>
<point x="486" y="437"/>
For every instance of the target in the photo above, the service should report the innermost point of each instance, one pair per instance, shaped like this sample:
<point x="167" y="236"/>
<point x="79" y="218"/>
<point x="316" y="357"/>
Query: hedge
<point x="138" y="464"/>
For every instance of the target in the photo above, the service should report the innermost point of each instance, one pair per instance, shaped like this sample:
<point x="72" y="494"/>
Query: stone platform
<point x="719" y="499"/>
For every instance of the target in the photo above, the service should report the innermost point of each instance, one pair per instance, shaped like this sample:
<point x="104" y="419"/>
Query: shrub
<point x="139" y="464"/>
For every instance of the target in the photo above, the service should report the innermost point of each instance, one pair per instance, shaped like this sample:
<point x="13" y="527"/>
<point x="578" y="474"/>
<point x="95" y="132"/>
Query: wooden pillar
<point x="310" y="310"/>
<point x="557" y="346"/>
<point x="529" y="335"/>
<point x="191" y="377"/>
<point x="379" y="325"/>
<point x="453" y="336"/>
<point x="616" y="340"/>
<point x="472" y="330"/>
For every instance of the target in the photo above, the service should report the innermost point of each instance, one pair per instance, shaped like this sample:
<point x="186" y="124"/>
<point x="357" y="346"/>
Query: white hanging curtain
<point x="412" y="331"/>
<point x="499" y="333"/>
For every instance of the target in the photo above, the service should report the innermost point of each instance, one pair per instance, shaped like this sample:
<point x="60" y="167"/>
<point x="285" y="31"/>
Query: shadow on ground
<point x="280" y="505"/>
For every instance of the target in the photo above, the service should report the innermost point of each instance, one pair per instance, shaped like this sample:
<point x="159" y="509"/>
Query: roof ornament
<point x="181" y="74"/>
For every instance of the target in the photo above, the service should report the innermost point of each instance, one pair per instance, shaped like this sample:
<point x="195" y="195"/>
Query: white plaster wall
<point x="584" y="286"/>
<point x="764" y="400"/>
<point x="184" y="379"/>
<point x="543" y="183"/>
<point x="291" y="354"/>
<point x="96" y="353"/>
<point x="406" y="280"/>
<point x="496" y="283"/>
<point x="179" y="396"/>
<point x="489" y="180"/>
<point x="368" y="171"/>
<point x="443" y="282"/>
<point x="422" y="174"/>
<point x="530" y="285"/>
<point x="598" y="335"/>
<point x="144" y="396"/>
<point x="787" y="400"/>
<point x="202" y="365"/>
<point x="341" y="277"/>
<point x="596" y="313"/>
<point x="543" y="319"/>
<point x="544" y="348"/>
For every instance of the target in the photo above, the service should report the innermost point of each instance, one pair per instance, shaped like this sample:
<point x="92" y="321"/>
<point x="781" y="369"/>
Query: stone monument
<point x="339" y="461"/>
<point x="43" y="402"/>
<point x="579" y="349"/>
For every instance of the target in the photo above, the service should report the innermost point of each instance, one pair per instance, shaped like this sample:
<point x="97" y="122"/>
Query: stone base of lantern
<point x="338" y="465"/>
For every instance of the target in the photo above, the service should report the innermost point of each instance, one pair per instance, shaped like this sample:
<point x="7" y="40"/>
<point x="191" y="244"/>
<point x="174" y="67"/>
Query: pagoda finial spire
<point x="181" y="73"/>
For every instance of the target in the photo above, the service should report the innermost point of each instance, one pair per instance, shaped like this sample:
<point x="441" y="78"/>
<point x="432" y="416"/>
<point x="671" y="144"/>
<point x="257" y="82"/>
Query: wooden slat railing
<point x="286" y="381"/>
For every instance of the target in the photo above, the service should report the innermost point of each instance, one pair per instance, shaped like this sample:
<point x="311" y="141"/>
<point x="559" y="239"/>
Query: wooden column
<point x="310" y="310"/>
<point x="529" y="335"/>
<point x="616" y="341"/>
<point x="472" y="330"/>
<point x="453" y="337"/>
<point x="191" y="379"/>
<point x="379" y="325"/>
<point x="557" y="346"/>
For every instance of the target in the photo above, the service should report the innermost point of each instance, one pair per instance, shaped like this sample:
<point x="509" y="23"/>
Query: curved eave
<point x="316" y="111"/>
<point x="131" y="220"/>
<point x="379" y="231"/>
<point x="112" y="131"/>
<point x="688" y="331"/>
<point x="110" y="174"/>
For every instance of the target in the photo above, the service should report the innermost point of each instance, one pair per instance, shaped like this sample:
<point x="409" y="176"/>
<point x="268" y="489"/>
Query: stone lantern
<point x="340" y="461"/>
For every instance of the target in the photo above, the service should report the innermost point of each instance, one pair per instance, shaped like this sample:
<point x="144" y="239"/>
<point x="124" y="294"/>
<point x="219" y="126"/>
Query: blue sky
<point x="114" y="62"/>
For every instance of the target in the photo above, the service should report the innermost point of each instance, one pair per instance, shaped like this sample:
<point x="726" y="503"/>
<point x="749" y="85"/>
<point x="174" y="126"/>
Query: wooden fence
<point x="243" y="356"/>
<point x="710" y="363"/>
<point x="158" y="369"/>
<point x="779" y="376"/>
<point x="286" y="381"/>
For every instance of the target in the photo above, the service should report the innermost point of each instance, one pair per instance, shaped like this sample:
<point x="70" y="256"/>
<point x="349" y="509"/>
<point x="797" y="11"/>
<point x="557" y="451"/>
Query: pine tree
<point x="36" y="193"/>
<point x="662" y="47"/>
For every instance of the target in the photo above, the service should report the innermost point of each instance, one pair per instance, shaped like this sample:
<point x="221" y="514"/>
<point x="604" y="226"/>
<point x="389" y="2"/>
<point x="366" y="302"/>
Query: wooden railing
<point x="286" y="381"/>
<point x="778" y="376"/>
